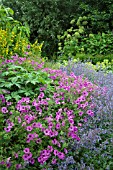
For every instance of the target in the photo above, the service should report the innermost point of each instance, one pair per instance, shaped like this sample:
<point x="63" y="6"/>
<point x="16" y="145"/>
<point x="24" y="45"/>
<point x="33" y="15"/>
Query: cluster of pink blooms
<point x="2" y="98"/>
<point x="28" y="156"/>
<point x="46" y="153"/>
<point x="21" y="60"/>
<point x="60" y="124"/>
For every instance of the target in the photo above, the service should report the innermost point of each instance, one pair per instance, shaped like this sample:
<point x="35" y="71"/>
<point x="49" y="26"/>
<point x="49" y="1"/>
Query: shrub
<point x="81" y="41"/>
<point x="70" y="41"/>
<point x="94" y="59"/>
<point x="100" y="43"/>
<point x="15" y="36"/>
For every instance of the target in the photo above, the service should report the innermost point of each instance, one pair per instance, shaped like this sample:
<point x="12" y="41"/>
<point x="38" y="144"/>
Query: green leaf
<point x="8" y="97"/>
<point x="34" y="81"/>
<point x="64" y="145"/>
<point x="2" y="85"/>
<point x="15" y="95"/>
<point x="11" y="11"/>
<point x="5" y="73"/>
<point x="8" y="85"/>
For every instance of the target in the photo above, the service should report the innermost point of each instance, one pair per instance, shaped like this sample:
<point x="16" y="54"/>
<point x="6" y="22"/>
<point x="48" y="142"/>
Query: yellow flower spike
<point x="11" y="53"/>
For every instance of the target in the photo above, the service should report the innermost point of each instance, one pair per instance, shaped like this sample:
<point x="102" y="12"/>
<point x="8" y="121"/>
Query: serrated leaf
<point x="8" y="97"/>
<point x="8" y="85"/>
<point x="34" y="81"/>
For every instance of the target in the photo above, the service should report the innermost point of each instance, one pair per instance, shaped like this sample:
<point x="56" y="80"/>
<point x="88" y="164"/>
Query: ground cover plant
<point x="36" y="126"/>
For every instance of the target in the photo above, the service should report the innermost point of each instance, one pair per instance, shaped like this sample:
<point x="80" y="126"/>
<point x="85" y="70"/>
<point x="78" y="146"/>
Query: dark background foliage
<point x="49" y="18"/>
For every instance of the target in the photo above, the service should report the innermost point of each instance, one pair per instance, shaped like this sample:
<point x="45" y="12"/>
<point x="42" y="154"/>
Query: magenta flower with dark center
<point x="61" y="155"/>
<point x="54" y="141"/>
<point x="28" y="46"/>
<point x="18" y="166"/>
<point x="26" y="150"/>
<point x="81" y="113"/>
<point x="34" y="125"/>
<point x="46" y="132"/>
<point x="8" y="165"/>
<point x="50" y="148"/>
<point x="51" y="134"/>
<point x="58" y="126"/>
<point x="4" y="110"/>
<point x="40" y="159"/>
<point x="71" y="121"/>
<point x="25" y="157"/>
<point x="50" y="125"/>
<point x="38" y="140"/>
<point x="54" y="161"/>
<point x="7" y="129"/>
<point x="28" y="140"/>
<point x="55" y="152"/>
<point x="30" y="136"/>
<point x="9" y="103"/>
<point x="29" y="155"/>
<point x="32" y="161"/>
<point x="90" y="112"/>
<point x="29" y="128"/>
<point x="16" y="155"/>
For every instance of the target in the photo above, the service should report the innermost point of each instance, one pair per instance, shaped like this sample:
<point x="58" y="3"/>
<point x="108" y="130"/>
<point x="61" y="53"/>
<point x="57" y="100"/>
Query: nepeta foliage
<point x="97" y="134"/>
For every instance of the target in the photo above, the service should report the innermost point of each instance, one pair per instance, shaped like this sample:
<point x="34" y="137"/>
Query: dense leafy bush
<point x="94" y="59"/>
<point x="98" y="44"/>
<point x="14" y="37"/>
<point x="105" y="65"/>
<point x="81" y="41"/>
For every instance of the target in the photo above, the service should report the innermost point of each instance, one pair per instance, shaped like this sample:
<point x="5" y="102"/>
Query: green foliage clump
<point x="94" y="58"/>
<point x="81" y="41"/>
<point x="20" y="79"/>
<point x="70" y="42"/>
<point x="14" y="37"/>
<point x="47" y="19"/>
